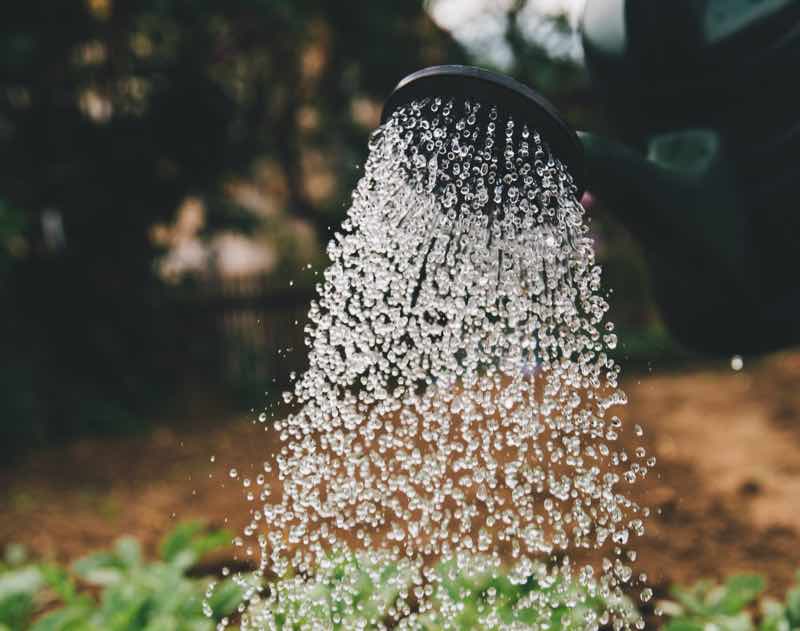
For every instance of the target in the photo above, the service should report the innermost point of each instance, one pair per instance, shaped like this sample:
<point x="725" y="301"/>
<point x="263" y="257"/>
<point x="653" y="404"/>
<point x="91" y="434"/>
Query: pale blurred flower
<point x="184" y="258"/>
<point x="237" y="254"/>
<point x="308" y="118"/>
<point x="95" y="105"/>
<point x="366" y="112"/>
<point x="319" y="180"/>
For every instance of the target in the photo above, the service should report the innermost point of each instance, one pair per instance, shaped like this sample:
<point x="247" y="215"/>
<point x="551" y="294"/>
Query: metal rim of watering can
<point x="511" y="97"/>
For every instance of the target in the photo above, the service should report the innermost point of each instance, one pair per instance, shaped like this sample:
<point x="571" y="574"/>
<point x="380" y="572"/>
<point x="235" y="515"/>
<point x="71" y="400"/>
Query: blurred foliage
<point x="730" y="607"/>
<point x="561" y="79"/>
<point x="112" y="113"/>
<point x="115" y="115"/>
<point x="328" y="599"/>
<point x="118" y="590"/>
<point x="465" y="598"/>
<point x="133" y="594"/>
<point x="539" y="48"/>
<point x="12" y="224"/>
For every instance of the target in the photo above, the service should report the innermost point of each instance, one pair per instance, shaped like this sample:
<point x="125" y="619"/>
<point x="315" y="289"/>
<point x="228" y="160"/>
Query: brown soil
<point x="726" y="491"/>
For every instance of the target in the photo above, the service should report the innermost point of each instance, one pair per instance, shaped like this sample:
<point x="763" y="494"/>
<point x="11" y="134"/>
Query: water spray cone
<point x="461" y="402"/>
<point x="511" y="98"/>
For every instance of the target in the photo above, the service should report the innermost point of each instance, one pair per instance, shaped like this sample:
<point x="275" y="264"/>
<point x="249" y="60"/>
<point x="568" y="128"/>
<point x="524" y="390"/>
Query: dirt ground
<point x="726" y="491"/>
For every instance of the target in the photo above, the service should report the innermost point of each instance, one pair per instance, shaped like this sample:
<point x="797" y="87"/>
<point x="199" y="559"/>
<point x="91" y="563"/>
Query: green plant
<point x="19" y="585"/>
<point x="723" y="607"/>
<point x="354" y="592"/>
<point x="708" y="606"/>
<point x="472" y="598"/>
<point x="135" y="595"/>
<point x="782" y="616"/>
<point x="348" y="592"/>
<point x="118" y="590"/>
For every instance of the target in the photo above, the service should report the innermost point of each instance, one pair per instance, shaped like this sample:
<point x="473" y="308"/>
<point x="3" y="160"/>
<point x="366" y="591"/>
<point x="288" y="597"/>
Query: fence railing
<point x="242" y="331"/>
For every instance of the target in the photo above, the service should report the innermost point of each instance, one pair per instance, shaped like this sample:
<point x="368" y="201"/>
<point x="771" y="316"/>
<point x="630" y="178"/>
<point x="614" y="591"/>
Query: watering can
<point x="703" y="96"/>
<point x="706" y="168"/>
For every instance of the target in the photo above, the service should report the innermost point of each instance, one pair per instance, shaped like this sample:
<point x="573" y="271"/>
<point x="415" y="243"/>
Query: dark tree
<point x="111" y="113"/>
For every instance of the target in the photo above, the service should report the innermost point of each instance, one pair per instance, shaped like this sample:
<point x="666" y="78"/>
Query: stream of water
<point x="460" y="401"/>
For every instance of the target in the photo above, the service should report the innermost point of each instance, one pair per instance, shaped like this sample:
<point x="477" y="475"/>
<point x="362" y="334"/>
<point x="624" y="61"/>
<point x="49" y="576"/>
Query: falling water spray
<point x="460" y="408"/>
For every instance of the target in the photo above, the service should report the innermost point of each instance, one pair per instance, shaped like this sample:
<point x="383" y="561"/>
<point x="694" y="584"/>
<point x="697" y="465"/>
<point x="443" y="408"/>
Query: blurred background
<point x="172" y="169"/>
<point x="170" y="172"/>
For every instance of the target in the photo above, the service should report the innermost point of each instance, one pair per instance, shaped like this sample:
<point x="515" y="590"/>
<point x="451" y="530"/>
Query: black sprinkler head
<point x="511" y="98"/>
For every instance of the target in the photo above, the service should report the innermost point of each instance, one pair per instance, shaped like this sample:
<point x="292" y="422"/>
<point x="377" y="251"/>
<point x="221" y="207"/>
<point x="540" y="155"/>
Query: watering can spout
<point x="678" y="197"/>
<point x="679" y="200"/>
<point x="714" y="206"/>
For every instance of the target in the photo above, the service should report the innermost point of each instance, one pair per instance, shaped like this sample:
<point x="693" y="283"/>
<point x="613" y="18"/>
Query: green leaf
<point x="16" y="610"/>
<point x="59" y="580"/>
<point x="26" y="580"/>
<point x="187" y="543"/>
<point x="129" y="552"/>
<point x="74" y="617"/>
<point x="693" y="599"/>
<point x="124" y="606"/>
<point x="773" y="616"/>
<point x="17" y="591"/>
<point x="740" y="591"/>
<point x="793" y="606"/>
<point x="100" y="568"/>
<point x="683" y="624"/>
<point x="740" y="622"/>
<point x="225" y="598"/>
<point x="214" y="540"/>
<point x="179" y="539"/>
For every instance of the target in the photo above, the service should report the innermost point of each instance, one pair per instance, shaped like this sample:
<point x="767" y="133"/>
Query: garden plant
<point x="119" y="590"/>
